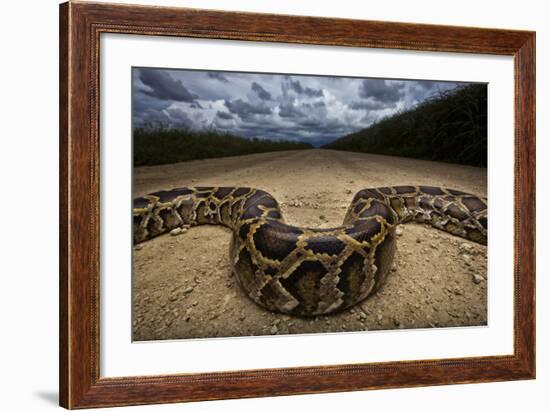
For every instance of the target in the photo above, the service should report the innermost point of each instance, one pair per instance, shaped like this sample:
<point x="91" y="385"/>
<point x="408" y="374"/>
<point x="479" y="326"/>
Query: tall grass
<point x="450" y="127"/>
<point x="162" y="145"/>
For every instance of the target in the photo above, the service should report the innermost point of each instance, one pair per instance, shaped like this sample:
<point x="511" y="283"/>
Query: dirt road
<point x="183" y="286"/>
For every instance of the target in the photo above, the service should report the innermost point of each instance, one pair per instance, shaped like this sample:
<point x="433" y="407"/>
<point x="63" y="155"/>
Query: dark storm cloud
<point x="163" y="86"/>
<point x="260" y="91"/>
<point x="216" y="75"/>
<point x="313" y="109"/>
<point x="309" y="122"/>
<point x="306" y="113"/>
<point x="418" y="91"/>
<point x="142" y="102"/>
<point x="151" y="117"/>
<point x="179" y="118"/>
<point x="223" y="115"/>
<point x="288" y="110"/>
<point x="245" y="110"/>
<point x="303" y="130"/>
<point x="308" y="91"/>
<point x="381" y="90"/>
<point x="370" y="105"/>
<point x="427" y="85"/>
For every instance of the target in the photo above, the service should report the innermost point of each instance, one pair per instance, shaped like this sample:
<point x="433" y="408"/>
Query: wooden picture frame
<point x="80" y="27"/>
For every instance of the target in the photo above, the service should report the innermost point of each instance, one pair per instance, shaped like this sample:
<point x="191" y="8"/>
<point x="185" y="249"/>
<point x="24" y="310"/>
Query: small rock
<point x="178" y="231"/>
<point x="476" y="278"/>
<point x="418" y="240"/>
<point x="467" y="259"/>
<point x="457" y="291"/>
<point x="434" y="246"/>
<point x="396" y="322"/>
<point x="453" y="314"/>
<point x="274" y="330"/>
<point x="379" y="318"/>
<point x="322" y="217"/>
<point x="466" y="248"/>
<point x="138" y="247"/>
<point x="277" y="321"/>
<point x="394" y="267"/>
<point x="188" y="290"/>
<point x="242" y="316"/>
<point x="399" y="230"/>
<point x="348" y="191"/>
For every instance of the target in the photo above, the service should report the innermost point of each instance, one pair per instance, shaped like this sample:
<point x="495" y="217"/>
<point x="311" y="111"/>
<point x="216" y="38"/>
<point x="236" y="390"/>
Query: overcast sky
<point x="280" y="107"/>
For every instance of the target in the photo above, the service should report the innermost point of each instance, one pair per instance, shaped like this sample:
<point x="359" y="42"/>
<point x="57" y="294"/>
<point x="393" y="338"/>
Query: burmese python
<point x="306" y="271"/>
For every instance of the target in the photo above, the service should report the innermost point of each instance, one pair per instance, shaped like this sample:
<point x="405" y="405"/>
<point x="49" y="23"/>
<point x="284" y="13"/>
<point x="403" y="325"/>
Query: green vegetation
<point x="162" y="145"/>
<point x="450" y="127"/>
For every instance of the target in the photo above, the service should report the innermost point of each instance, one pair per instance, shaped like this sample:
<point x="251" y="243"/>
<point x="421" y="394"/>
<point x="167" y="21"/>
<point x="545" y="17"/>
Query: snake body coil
<point x="306" y="271"/>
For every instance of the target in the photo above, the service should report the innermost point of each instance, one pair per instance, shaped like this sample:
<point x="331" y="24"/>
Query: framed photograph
<point x="258" y="205"/>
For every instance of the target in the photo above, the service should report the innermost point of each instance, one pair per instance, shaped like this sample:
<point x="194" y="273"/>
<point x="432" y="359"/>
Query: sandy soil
<point x="183" y="287"/>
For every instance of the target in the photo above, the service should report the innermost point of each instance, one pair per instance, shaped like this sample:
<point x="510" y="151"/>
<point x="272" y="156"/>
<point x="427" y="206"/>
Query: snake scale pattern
<point x="306" y="271"/>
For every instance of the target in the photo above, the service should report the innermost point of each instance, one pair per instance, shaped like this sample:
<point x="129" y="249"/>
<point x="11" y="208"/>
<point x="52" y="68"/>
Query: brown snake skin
<point x="306" y="271"/>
